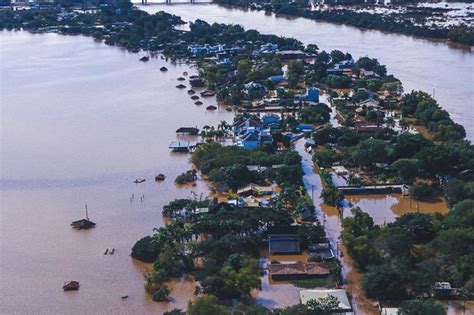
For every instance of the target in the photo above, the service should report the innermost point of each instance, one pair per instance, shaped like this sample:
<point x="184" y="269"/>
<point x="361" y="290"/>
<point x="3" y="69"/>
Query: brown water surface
<point x="80" y="122"/>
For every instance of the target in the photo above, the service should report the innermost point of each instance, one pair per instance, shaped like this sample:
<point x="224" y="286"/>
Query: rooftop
<point x="316" y="294"/>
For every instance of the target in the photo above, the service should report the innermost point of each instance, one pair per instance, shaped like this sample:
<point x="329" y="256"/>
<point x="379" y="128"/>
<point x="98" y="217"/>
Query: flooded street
<point x="81" y="120"/>
<point x="419" y="63"/>
<point x="382" y="208"/>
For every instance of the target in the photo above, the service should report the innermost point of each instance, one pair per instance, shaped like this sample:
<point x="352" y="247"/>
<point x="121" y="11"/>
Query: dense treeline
<point x="405" y="258"/>
<point x="226" y="240"/>
<point x="396" y="23"/>
<point x="427" y="112"/>
<point x="227" y="169"/>
<point x="134" y="30"/>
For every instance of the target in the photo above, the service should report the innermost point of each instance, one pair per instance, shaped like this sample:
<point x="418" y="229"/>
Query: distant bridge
<point x="145" y="2"/>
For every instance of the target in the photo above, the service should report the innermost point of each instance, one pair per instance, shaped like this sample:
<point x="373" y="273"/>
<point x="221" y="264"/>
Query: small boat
<point x="160" y="177"/>
<point x="207" y="93"/>
<point x="181" y="86"/>
<point x="71" y="286"/>
<point x="185" y="73"/>
<point x="211" y="107"/>
<point x="144" y="58"/>
<point x="139" y="180"/>
<point x="181" y="79"/>
<point x="194" y="77"/>
<point x="191" y="92"/>
<point x="229" y="109"/>
<point x="198" y="103"/>
<point x="194" y="97"/>
<point x="163" y="69"/>
<point x="83" y="223"/>
<point x="124" y="297"/>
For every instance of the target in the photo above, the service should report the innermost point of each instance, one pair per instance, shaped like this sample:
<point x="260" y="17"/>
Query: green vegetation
<point x="226" y="167"/>
<point x="228" y="249"/>
<point x="174" y="207"/>
<point x="413" y="22"/>
<point x="186" y="177"/>
<point x="401" y="258"/>
<point x="330" y="194"/>
<point x="427" y="112"/>
<point x="318" y="114"/>
<point x="209" y="305"/>
<point x="145" y="250"/>
<point x="412" y="253"/>
<point x="419" y="307"/>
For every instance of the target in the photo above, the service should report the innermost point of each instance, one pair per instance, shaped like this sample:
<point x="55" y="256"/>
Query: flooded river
<point x="448" y="70"/>
<point x="81" y="120"/>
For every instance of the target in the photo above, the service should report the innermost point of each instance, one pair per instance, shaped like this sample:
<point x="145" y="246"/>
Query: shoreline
<point x="68" y="34"/>
<point x="443" y="40"/>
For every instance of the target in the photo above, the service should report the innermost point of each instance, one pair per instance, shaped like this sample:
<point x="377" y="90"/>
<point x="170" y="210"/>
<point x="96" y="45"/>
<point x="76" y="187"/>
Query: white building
<point x="339" y="294"/>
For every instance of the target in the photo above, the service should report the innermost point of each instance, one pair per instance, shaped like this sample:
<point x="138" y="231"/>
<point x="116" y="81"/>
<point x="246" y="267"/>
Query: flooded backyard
<point x="382" y="208"/>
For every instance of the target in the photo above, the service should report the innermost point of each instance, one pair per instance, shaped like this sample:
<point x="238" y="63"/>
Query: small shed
<point x="283" y="244"/>
<point x="188" y="131"/>
<point x="180" y="146"/>
<point x="254" y="189"/>
<point x="443" y="290"/>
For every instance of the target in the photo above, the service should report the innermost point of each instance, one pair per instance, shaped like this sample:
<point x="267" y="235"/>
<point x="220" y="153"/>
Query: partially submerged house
<point x="83" y="224"/>
<point x="283" y="244"/>
<point x="322" y="250"/>
<point x="364" y="127"/>
<point x="312" y="95"/>
<point x="182" y="146"/>
<point x="255" y="190"/>
<point x="251" y="134"/>
<point x="290" y="54"/>
<point x="298" y="270"/>
<point x="188" y="131"/>
<point x="443" y="290"/>
<point x="253" y="90"/>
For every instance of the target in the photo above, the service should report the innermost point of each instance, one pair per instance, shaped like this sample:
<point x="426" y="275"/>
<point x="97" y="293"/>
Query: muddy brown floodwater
<point x="81" y="120"/>
<point x="382" y="208"/>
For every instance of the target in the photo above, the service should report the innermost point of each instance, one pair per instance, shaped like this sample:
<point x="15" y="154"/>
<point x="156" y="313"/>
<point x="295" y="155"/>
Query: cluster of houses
<point x="251" y="134"/>
<point x="201" y="50"/>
